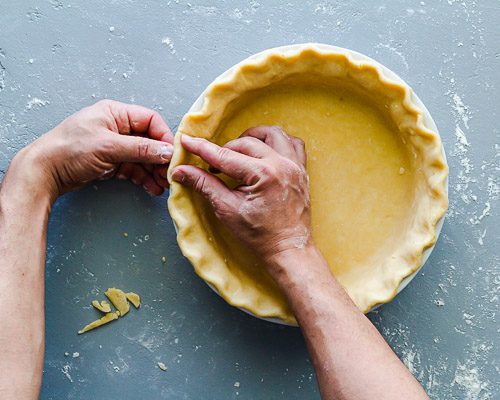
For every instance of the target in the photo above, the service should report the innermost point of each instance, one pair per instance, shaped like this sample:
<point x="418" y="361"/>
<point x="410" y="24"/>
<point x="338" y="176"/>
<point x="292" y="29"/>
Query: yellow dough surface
<point x="101" y="321"/>
<point x="103" y="306"/>
<point x="377" y="173"/>
<point x="119" y="299"/>
<point x="360" y="171"/>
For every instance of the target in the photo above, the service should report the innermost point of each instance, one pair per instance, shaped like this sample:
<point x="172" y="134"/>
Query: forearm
<point x="24" y="211"/>
<point x="351" y="359"/>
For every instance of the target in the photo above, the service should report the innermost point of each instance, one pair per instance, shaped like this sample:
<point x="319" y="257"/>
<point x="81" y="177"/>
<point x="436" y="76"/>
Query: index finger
<point x="232" y="163"/>
<point x="141" y="120"/>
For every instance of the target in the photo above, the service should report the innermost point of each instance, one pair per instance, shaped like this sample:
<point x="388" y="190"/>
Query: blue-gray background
<point x="58" y="56"/>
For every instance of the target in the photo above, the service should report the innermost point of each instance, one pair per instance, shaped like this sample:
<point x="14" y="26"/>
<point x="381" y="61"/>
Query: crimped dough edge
<point x="209" y="262"/>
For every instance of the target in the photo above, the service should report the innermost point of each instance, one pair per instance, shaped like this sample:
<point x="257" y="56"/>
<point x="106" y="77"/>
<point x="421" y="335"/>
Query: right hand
<point x="270" y="210"/>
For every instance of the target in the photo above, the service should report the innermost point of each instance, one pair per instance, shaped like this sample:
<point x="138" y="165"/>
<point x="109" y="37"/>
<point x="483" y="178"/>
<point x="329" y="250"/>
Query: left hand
<point x="104" y="140"/>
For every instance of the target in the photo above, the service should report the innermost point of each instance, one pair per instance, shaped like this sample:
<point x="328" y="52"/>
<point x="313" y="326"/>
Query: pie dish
<point x="378" y="173"/>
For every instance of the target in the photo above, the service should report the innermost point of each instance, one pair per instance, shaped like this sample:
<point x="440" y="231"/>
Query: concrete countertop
<point x="57" y="56"/>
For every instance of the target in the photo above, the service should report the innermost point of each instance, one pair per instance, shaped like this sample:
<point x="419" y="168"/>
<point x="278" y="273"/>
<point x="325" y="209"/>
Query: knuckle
<point x="143" y="148"/>
<point x="104" y="103"/>
<point x="106" y="145"/>
<point x="222" y="154"/>
<point x="200" y="185"/>
<point x="250" y="140"/>
<point x="277" y="130"/>
<point x="298" y="141"/>
<point x="267" y="170"/>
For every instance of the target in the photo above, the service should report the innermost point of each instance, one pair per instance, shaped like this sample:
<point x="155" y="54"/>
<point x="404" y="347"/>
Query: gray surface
<point x="58" y="56"/>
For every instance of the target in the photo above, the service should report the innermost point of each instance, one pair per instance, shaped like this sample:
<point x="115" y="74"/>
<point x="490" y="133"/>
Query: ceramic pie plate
<point x="199" y="242"/>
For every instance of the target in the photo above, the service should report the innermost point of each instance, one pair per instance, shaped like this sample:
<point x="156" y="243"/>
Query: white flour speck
<point x="206" y="11"/>
<point x="395" y="51"/>
<point x="486" y="211"/>
<point x="169" y="43"/>
<point x="468" y="378"/>
<point x="462" y="139"/>
<point x="66" y="371"/>
<point x="36" y="102"/>
<point x="461" y="110"/>
<point x="439" y="302"/>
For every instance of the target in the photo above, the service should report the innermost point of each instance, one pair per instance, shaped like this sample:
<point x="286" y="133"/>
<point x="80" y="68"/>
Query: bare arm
<point x="24" y="214"/>
<point x="98" y="142"/>
<point x="351" y="359"/>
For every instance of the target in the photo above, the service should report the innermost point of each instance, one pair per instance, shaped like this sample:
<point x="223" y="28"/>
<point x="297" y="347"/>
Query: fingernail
<point x="187" y="139"/>
<point x="121" y="177"/>
<point x="178" y="176"/>
<point x="166" y="151"/>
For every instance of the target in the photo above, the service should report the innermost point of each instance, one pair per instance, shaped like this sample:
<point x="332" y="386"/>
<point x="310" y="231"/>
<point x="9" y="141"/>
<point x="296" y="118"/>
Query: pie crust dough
<point x="119" y="299"/>
<point x="103" y="306"/>
<point x="377" y="174"/>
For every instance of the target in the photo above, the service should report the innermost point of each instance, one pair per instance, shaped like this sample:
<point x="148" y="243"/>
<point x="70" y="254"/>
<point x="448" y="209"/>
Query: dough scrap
<point x="103" y="306"/>
<point x="134" y="298"/>
<point x="119" y="299"/>
<point x="162" y="366"/>
<point x="102" y="321"/>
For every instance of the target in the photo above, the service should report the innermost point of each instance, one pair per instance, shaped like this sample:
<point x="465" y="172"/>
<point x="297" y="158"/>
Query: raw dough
<point x="134" y="298"/>
<point x="119" y="300"/>
<point x="103" y="306"/>
<point x="378" y="176"/>
<point x="162" y="366"/>
<point x="104" y="320"/>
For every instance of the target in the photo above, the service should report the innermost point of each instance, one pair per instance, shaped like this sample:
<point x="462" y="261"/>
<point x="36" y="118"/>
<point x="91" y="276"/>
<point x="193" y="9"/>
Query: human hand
<point x="270" y="210"/>
<point x="104" y="140"/>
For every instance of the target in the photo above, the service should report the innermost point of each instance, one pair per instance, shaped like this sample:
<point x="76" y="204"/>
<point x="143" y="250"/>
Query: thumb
<point x="208" y="185"/>
<point x="122" y="148"/>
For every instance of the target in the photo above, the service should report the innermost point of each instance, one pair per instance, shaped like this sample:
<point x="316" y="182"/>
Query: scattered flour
<point x="169" y="43"/>
<point x="395" y="51"/>
<point x="66" y="371"/>
<point x="462" y="142"/>
<point x="461" y="109"/>
<point x="468" y="378"/>
<point x="411" y="359"/>
<point x="486" y="211"/>
<point x="162" y="366"/>
<point x="206" y="11"/>
<point x="326" y="8"/>
<point x="481" y="237"/>
<point x="35" y="102"/>
<point x="2" y="77"/>
<point x="439" y="302"/>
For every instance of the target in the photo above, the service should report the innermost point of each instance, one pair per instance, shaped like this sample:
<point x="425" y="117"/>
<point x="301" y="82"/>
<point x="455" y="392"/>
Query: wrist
<point x="28" y="182"/>
<point x="295" y="264"/>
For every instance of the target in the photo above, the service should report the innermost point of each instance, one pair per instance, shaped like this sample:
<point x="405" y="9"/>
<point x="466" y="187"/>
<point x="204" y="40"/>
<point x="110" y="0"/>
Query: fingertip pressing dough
<point x="134" y="298"/>
<point x="377" y="174"/>
<point x="102" y="321"/>
<point x="119" y="299"/>
<point x="103" y="306"/>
